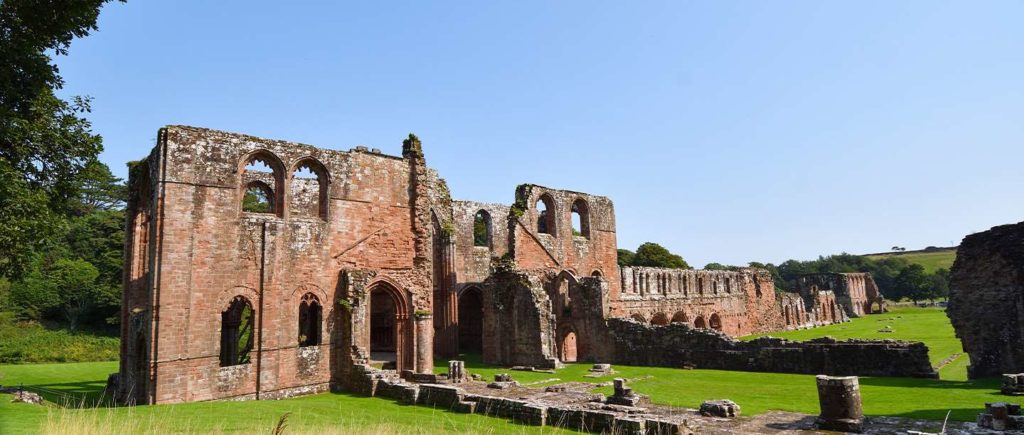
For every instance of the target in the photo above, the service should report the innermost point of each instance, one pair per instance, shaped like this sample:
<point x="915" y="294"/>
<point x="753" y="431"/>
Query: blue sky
<point x="727" y="131"/>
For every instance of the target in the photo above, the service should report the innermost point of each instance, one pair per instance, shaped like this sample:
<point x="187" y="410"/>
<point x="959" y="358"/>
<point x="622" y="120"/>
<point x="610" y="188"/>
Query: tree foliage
<point x="651" y="255"/>
<point x="45" y="142"/>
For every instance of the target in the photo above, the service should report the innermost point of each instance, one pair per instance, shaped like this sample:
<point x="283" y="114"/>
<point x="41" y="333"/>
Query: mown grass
<point x="927" y="325"/>
<point x="336" y="413"/>
<point x="322" y="413"/>
<point x="931" y="261"/>
<point x="30" y="342"/>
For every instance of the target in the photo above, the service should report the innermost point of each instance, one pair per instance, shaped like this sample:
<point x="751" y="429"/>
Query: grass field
<point x="929" y="260"/>
<point x="927" y="325"/>
<point x="339" y="413"/>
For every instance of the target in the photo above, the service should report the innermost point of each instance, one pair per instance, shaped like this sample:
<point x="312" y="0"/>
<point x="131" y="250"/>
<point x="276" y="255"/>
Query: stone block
<point x="719" y="408"/>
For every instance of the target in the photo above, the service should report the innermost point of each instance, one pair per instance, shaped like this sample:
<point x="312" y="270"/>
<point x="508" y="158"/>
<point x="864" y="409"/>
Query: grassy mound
<point x="931" y="261"/>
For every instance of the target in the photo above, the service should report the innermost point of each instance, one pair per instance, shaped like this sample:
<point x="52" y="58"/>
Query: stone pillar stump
<point x="839" y="398"/>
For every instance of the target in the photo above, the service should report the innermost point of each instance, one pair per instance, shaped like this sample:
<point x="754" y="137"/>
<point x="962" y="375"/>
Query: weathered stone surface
<point x="719" y="408"/>
<point x="986" y="300"/>
<point x="395" y="268"/>
<point x="1013" y="384"/>
<point x="679" y="345"/>
<point x="839" y="398"/>
<point x="457" y="372"/>
<point x="1001" y="416"/>
<point x="23" y="396"/>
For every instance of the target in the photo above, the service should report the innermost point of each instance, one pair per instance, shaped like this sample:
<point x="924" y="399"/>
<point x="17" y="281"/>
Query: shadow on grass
<point x="72" y="394"/>
<point x="938" y="415"/>
<point x="992" y="384"/>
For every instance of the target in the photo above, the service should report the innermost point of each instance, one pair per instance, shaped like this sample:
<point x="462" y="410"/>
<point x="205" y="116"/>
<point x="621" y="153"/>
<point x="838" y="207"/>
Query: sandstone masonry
<point x="986" y="300"/>
<point x="259" y="268"/>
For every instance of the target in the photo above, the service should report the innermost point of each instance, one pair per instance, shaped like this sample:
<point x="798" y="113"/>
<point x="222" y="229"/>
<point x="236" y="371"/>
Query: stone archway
<point x="388" y="326"/>
<point x="700" y="323"/>
<point x="659" y="319"/>
<point x="471" y="314"/>
<point x="715" y="322"/>
<point x="567" y="350"/>
<point x="680" y="317"/>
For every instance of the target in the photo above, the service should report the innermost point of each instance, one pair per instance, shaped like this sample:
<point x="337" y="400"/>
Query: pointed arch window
<point x="545" y="215"/>
<point x="310" y="320"/>
<point x="580" y="218"/>
<point x="262" y="184"/>
<point x="308" y="191"/>
<point x="482" y="229"/>
<point x="236" y="332"/>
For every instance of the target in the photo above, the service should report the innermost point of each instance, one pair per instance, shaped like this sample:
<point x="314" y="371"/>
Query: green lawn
<point x="927" y="325"/>
<point x="335" y="413"/>
<point x="340" y="413"/>
<point x="929" y="260"/>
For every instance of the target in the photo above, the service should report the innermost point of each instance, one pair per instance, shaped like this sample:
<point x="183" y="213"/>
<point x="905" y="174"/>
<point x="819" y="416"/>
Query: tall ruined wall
<point x="473" y="262"/>
<point x="518" y="323"/>
<point x="986" y="300"/>
<point x="854" y="292"/>
<point x="735" y="302"/>
<point x="208" y="251"/>
<point x="544" y="245"/>
<point x="678" y="345"/>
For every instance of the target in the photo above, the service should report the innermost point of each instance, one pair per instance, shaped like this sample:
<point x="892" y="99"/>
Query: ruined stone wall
<point x="855" y="292"/>
<point x="678" y="345"/>
<point x="591" y="253"/>
<point x="735" y="302"/>
<point x="986" y="300"/>
<point x="208" y="251"/>
<point x="738" y="303"/>
<point x="518" y="323"/>
<point x="473" y="262"/>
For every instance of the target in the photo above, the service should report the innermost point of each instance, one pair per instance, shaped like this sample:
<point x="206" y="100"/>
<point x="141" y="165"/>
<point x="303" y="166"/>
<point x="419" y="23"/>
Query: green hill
<point x="930" y="259"/>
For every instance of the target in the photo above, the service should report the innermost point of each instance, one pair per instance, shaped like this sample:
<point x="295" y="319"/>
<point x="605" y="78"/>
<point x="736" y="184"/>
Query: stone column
<point x="839" y="398"/>
<point x="424" y="344"/>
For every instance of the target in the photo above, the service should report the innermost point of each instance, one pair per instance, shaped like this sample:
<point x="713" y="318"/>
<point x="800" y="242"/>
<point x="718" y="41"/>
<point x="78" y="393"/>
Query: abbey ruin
<point x="986" y="300"/>
<point x="241" y="283"/>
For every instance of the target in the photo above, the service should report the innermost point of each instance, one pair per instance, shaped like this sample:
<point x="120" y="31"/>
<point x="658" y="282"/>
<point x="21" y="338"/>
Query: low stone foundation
<point x="677" y="345"/>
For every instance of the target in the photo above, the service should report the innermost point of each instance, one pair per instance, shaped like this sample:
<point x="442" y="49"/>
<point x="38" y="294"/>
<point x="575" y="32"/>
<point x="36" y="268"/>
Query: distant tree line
<point x="896" y="277"/>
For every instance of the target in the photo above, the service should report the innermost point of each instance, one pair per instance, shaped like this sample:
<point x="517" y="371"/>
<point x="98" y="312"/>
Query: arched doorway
<point x="638" y="317"/>
<point x="680" y="317"/>
<point x="387" y="328"/>
<point x="715" y="322"/>
<point x="659" y="319"/>
<point x="567" y="345"/>
<point x="699" y="323"/>
<point x="471" y="314"/>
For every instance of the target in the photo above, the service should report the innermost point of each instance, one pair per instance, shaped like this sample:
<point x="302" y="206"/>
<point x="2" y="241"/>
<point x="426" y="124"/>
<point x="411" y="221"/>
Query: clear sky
<point x="727" y="131"/>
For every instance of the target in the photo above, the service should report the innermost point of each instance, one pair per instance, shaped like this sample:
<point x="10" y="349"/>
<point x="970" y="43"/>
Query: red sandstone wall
<point x="211" y="253"/>
<point x="585" y="255"/>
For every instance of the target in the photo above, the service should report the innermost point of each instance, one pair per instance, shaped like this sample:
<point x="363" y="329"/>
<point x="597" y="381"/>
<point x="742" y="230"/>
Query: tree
<point x="911" y="283"/>
<point x="66" y="288"/>
<point x="718" y="266"/>
<point x="654" y="255"/>
<point x="937" y="285"/>
<point x="45" y="143"/>
<point x="625" y="257"/>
